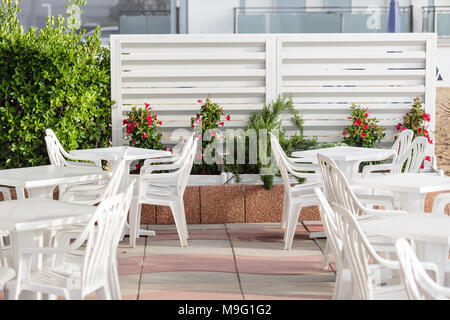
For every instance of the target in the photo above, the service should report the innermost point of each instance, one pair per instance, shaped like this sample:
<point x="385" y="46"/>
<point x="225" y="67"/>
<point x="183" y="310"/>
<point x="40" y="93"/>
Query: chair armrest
<point x="440" y="202"/>
<point x="44" y="250"/>
<point x="147" y="170"/>
<point x="382" y="213"/>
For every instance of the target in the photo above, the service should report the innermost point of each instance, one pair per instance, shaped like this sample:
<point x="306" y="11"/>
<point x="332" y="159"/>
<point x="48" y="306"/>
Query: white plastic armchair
<point x="5" y="249"/>
<point x="6" y="273"/>
<point x="165" y="189"/>
<point x="85" y="265"/>
<point x="418" y="283"/>
<point x="298" y="196"/>
<point x="400" y="146"/>
<point x="338" y="190"/>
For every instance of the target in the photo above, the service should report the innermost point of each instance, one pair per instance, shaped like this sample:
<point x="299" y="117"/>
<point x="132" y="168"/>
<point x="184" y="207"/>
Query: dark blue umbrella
<point x="394" y="20"/>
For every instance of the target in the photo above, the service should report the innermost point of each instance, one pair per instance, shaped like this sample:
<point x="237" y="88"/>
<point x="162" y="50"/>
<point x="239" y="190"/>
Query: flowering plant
<point x="206" y="124"/>
<point x="142" y="127"/>
<point x="416" y="120"/>
<point x="364" y="131"/>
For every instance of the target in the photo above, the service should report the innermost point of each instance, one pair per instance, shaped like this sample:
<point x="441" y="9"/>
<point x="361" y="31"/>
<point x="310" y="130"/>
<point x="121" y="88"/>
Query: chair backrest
<point x="402" y="144"/>
<point x="413" y="157"/>
<point x="189" y="157"/>
<point x="55" y="150"/>
<point x="359" y="254"/>
<point x="60" y="157"/>
<point x="117" y="178"/>
<point x="332" y="231"/>
<point x="337" y="187"/>
<point x="286" y="167"/>
<point x="100" y="238"/>
<point x="418" y="284"/>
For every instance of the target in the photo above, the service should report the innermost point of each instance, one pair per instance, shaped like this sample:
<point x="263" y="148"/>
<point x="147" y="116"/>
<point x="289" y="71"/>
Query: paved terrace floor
<point x="226" y="261"/>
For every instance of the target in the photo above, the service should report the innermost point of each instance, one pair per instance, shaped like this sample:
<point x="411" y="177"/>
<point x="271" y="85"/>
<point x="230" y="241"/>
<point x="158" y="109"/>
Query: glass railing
<point x="436" y="19"/>
<point x="144" y="22"/>
<point x="317" y="20"/>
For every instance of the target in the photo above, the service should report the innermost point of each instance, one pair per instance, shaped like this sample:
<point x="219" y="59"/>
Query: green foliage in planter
<point x="51" y="78"/>
<point x="268" y="119"/>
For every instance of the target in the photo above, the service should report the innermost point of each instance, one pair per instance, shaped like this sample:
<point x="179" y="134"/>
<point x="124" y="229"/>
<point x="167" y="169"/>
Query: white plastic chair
<point x="5" y="249"/>
<point x="400" y="146"/>
<point x="342" y="289"/>
<point x="298" y="196"/>
<point x="6" y="273"/>
<point x="165" y="189"/>
<point x="60" y="157"/>
<point x="338" y="190"/>
<point x="84" y="266"/>
<point x="367" y="267"/>
<point x="419" y="285"/>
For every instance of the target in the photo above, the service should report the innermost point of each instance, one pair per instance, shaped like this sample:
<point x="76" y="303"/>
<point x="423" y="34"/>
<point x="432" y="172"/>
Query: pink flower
<point x="144" y="135"/>
<point x="366" y="125"/>
<point x="349" y="118"/>
<point x="193" y="125"/>
<point x="160" y="122"/>
<point x="198" y="120"/>
<point x="199" y="156"/>
<point x="200" y="101"/>
<point x="228" y="117"/>
<point x="363" y="134"/>
<point x="358" y="123"/>
<point x="212" y="133"/>
<point x="344" y="132"/>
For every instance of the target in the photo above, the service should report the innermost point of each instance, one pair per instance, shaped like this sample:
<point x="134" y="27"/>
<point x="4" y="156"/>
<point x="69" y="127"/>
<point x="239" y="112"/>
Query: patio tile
<point x="124" y="250"/>
<point x="190" y="295"/>
<point x="129" y="265"/>
<point x="192" y="285"/>
<point x="188" y="262"/>
<point x="190" y="226"/>
<point x="220" y="247"/>
<point x="275" y="249"/>
<point x="194" y="234"/>
<point x="265" y="234"/>
<point x="319" y="286"/>
<point x="269" y="225"/>
<point x="280" y="265"/>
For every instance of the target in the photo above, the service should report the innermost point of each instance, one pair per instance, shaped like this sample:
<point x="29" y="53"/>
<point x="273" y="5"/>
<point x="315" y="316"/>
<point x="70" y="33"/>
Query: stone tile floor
<point x="226" y="261"/>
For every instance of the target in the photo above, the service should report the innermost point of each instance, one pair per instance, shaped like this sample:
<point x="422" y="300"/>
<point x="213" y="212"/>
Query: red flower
<point x="228" y="117"/>
<point x="426" y="116"/>
<point x="430" y="141"/>
<point x="165" y="148"/>
<point x="344" y="132"/>
<point x="212" y="133"/>
<point x="129" y="128"/>
<point x="193" y="125"/>
<point x="399" y="126"/>
<point x="366" y="125"/>
<point x="125" y="121"/>
<point x="156" y="116"/>
<point x="349" y="118"/>
<point x="222" y="124"/>
<point x="146" y="105"/>
<point x="138" y="166"/>
<point x="358" y="123"/>
<point x="200" y="101"/>
<point x="144" y="135"/>
<point x="428" y="158"/>
<point x="160" y="122"/>
<point x="366" y="116"/>
<point x="422" y="166"/>
<point x="363" y="134"/>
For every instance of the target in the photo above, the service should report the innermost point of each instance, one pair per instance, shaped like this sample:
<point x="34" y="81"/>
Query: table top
<point x="51" y="175"/>
<point x="345" y="153"/>
<point x="420" y="227"/>
<point x="34" y="214"/>
<point x="406" y="182"/>
<point x="113" y="153"/>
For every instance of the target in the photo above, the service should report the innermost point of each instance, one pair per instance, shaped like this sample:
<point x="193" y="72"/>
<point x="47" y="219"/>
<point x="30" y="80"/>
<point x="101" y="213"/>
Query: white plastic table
<point x="27" y="220"/>
<point x="347" y="158"/>
<point x="112" y="155"/>
<point x="412" y="187"/>
<point x="40" y="181"/>
<point x="431" y="234"/>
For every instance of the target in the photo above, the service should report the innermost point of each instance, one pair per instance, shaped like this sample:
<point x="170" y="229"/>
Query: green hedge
<point x="50" y="78"/>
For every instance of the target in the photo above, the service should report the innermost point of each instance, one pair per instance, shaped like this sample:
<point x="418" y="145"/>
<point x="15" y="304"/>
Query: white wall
<point x="211" y="16"/>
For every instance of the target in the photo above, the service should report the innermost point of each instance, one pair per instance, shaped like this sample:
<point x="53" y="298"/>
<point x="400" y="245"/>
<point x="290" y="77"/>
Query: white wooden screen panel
<point x="324" y="73"/>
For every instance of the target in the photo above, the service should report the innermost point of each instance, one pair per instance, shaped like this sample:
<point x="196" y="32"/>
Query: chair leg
<point x="114" y="282"/>
<point x="133" y="221"/>
<point x="342" y="291"/>
<point x="294" y="212"/>
<point x="285" y="212"/>
<point x="104" y="293"/>
<point x="177" y="211"/>
<point x="326" y="256"/>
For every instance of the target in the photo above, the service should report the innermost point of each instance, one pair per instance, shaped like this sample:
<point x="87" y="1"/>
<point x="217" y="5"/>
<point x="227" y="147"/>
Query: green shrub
<point x="50" y="78"/>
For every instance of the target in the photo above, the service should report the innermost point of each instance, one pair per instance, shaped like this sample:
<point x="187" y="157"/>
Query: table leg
<point x="27" y="239"/>
<point x="413" y="203"/>
<point x="41" y="192"/>
<point x="349" y="168"/>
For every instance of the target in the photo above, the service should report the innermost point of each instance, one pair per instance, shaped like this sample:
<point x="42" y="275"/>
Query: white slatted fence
<point x="325" y="74"/>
